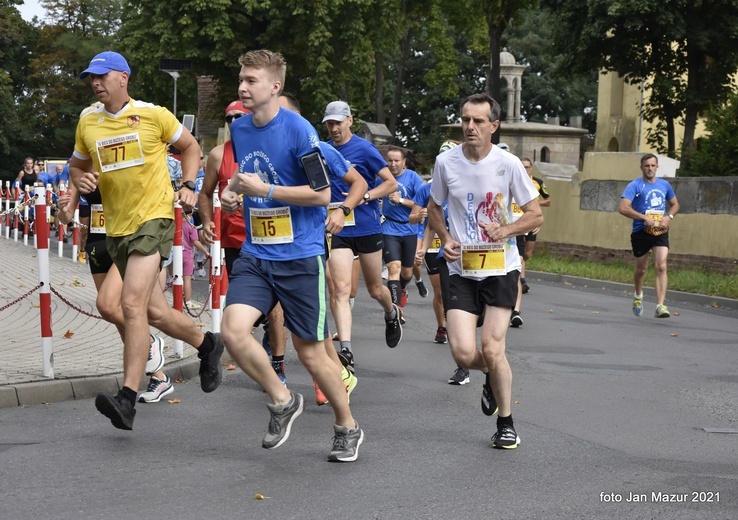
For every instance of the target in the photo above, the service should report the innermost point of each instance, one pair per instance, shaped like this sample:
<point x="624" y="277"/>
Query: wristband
<point x="271" y="190"/>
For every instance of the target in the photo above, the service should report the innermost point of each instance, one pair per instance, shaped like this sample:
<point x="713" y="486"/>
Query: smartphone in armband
<point x="316" y="171"/>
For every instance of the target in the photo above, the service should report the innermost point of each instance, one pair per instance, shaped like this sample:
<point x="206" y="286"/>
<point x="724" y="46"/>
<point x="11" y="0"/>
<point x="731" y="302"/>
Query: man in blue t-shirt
<point x="644" y="200"/>
<point x="283" y="257"/>
<point x="400" y="236"/>
<point x="365" y="237"/>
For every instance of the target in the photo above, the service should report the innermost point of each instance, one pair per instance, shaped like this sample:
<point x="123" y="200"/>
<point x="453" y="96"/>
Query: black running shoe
<point x="460" y="377"/>
<point x="489" y="404"/>
<point x="506" y="438"/>
<point x="347" y="359"/>
<point x="516" y="320"/>
<point x="525" y="287"/>
<point x="211" y="371"/>
<point x="118" y="409"/>
<point x="422" y="290"/>
<point x="393" y="329"/>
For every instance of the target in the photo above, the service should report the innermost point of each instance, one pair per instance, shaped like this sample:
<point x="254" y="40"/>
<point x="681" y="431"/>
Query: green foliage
<point x="716" y="153"/>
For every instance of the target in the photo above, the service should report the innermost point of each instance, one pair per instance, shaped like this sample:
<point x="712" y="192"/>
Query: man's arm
<point x="67" y="203"/>
<point x="388" y="185"/>
<point x="357" y="188"/>
<point x="205" y="199"/>
<point x="190" y="149"/>
<point x="674" y="206"/>
<point x="82" y="175"/>
<point x="417" y="214"/>
<point x="251" y="184"/>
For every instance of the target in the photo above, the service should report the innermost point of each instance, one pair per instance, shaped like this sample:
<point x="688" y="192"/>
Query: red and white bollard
<point x="8" y="196"/>
<point x="177" y="272"/>
<point x="44" y="277"/>
<point x="60" y="228"/>
<point x="26" y="213"/>
<point x="17" y="193"/>
<point x="75" y="234"/>
<point x="216" y="268"/>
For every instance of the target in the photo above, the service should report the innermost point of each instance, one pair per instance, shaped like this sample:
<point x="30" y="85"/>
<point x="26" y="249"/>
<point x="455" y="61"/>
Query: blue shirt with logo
<point x="396" y="215"/>
<point x="648" y="196"/>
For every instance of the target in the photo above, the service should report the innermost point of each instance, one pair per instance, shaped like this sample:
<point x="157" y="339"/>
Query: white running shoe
<point x="156" y="355"/>
<point x="156" y="390"/>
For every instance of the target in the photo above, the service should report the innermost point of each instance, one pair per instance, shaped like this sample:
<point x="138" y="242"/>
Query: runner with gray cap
<point x="364" y="238"/>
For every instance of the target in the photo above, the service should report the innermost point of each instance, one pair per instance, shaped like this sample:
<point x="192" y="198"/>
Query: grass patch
<point x="698" y="281"/>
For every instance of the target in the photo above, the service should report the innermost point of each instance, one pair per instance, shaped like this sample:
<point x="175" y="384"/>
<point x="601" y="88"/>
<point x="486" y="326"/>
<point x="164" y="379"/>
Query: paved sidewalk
<point x="88" y="353"/>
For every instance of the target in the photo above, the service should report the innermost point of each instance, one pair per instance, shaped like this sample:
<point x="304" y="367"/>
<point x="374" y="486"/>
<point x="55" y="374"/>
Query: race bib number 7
<point x="483" y="259"/>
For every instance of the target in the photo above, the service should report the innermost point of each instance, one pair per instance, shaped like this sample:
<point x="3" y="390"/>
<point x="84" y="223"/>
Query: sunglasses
<point x="229" y="119"/>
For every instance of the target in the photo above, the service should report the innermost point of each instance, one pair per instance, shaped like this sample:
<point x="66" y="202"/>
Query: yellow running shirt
<point x="129" y="149"/>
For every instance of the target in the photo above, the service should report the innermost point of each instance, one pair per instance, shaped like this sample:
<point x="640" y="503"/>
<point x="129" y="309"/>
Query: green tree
<point x="549" y="91"/>
<point x="686" y="51"/>
<point x="715" y="155"/>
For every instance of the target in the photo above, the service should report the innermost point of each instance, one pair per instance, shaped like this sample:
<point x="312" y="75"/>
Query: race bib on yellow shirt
<point x="97" y="219"/>
<point x="483" y="259"/>
<point x="116" y="153"/>
<point x="350" y="218"/>
<point x="271" y="225"/>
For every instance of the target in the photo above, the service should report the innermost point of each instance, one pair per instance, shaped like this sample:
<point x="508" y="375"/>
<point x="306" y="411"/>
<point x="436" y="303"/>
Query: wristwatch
<point x="402" y="201"/>
<point x="670" y="216"/>
<point x="367" y="197"/>
<point x="189" y="185"/>
<point x="346" y="210"/>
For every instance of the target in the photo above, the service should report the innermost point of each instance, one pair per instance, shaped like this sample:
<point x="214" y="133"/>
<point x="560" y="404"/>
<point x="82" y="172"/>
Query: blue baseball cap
<point x="104" y="63"/>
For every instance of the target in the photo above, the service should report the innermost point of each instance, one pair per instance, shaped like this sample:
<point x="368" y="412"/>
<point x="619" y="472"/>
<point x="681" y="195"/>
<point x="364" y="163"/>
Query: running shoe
<point x="524" y="286"/>
<point x="402" y="316"/>
<point x="346" y="443"/>
<point x="489" y="403"/>
<point x="211" y="371"/>
<point x="638" y="306"/>
<point x="422" y="290"/>
<point x="156" y="390"/>
<point x="349" y="380"/>
<point x="441" y="335"/>
<point x="403" y="297"/>
<point x="393" y="329"/>
<point x="335" y="337"/>
<point x="266" y="345"/>
<point x="460" y="377"/>
<point x="505" y="438"/>
<point x="662" y="312"/>
<point x="320" y="398"/>
<point x="515" y="319"/>
<point x="118" y="409"/>
<point x="156" y="355"/>
<point x="280" y="422"/>
<point x="347" y="359"/>
<point x="278" y="367"/>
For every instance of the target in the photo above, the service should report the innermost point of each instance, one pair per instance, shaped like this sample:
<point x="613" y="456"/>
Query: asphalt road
<point x="608" y="406"/>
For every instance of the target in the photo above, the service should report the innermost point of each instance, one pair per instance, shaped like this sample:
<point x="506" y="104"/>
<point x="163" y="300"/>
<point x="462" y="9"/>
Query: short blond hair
<point x="273" y="62"/>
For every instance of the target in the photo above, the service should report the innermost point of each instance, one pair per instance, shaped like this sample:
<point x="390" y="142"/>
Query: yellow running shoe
<point x="350" y="381"/>
<point x="662" y="312"/>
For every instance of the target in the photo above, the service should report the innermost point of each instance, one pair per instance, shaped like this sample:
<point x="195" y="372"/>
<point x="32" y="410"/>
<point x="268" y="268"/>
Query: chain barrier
<point x="70" y="304"/>
<point x="29" y="293"/>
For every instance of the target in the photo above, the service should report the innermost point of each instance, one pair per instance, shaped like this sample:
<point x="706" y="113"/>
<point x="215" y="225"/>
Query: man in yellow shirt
<point x="121" y="148"/>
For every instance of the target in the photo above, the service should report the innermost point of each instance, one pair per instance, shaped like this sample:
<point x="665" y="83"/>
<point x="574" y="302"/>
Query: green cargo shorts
<point x="154" y="236"/>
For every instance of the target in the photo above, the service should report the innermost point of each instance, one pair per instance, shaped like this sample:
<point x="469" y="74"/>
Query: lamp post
<point x="175" y="75"/>
<point x="173" y="67"/>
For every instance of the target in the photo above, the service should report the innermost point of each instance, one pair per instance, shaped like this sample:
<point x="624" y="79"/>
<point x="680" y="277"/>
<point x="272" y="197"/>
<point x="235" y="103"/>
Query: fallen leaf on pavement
<point x="673" y="335"/>
<point x="677" y="314"/>
<point x="174" y="401"/>
<point x="76" y="283"/>
<point x="230" y="367"/>
<point x="69" y="334"/>
<point x="259" y="496"/>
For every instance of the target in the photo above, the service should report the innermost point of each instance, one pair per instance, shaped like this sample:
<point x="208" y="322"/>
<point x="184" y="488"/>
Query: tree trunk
<point x="399" y="83"/>
<point x="379" y="87"/>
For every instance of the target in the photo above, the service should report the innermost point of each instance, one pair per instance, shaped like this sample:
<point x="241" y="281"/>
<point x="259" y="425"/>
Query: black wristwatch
<point x="346" y="210"/>
<point x="189" y="185"/>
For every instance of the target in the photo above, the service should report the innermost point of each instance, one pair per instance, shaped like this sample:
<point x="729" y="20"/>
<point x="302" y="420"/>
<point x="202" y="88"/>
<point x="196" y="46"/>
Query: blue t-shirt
<point x="368" y="162"/>
<point x="648" y="196"/>
<point x="273" y="153"/>
<point x="46" y="178"/>
<point x="395" y="214"/>
<point x="63" y="176"/>
<point x="338" y="167"/>
<point x="199" y="180"/>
